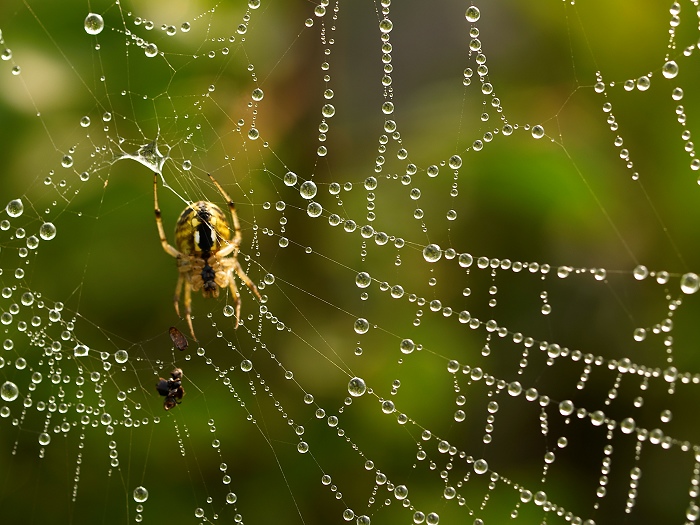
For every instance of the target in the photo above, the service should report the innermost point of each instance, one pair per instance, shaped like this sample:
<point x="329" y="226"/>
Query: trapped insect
<point x="179" y="340"/>
<point x="171" y="389"/>
<point x="203" y="240"/>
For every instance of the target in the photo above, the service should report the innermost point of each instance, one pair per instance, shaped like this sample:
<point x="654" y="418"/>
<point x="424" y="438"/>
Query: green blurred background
<point x="567" y="199"/>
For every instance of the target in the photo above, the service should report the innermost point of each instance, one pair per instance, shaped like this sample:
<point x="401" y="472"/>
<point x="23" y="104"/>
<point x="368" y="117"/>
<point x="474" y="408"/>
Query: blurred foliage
<point x="566" y="199"/>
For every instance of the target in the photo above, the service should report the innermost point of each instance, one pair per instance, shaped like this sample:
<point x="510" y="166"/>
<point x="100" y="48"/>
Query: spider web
<point x="473" y="227"/>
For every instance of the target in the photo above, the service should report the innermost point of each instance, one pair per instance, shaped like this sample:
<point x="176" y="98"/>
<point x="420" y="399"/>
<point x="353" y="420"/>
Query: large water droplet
<point x="94" y="24"/>
<point x="361" y="325"/>
<point x="472" y="15"/>
<point x="14" y="208"/>
<point x="690" y="283"/>
<point x="670" y="69"/>
<point x="432" y="253"/>
<point x="9" y="391"/>
<point x="140" y="494"/>
<point x="308" y="189"/>
<point x="47" y="231"/>
<point x="357" y="386"/>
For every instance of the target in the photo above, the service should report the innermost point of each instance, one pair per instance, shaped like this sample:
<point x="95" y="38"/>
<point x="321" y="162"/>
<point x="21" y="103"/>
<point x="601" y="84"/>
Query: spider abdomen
<point x="202" y="230"/>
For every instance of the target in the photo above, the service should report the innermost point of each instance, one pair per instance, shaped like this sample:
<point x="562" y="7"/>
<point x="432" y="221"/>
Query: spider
<point x="203" y="240"/>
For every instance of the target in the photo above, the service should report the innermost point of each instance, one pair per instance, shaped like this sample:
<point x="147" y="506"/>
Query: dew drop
<point x="121" y="356"/>
<point x="44" y="439"/>
<point x="472" y="15"/>
<point x="401" y="492"/>
<point x="257" y="94"/>
<point x="150" y="50"/>
<point x="407" y="346"/>
<point x="670" y="69"/>
<point x="363" y="280"/>
<point x="314" y="209"/>
<point x="537" y="131"/>
<point x="455" y="162"/>
<point x="432" y="253"/>
<point x="690" y="283"/>
<point x="47" y="231"/>
<point x="361" y="325"/>
<point x="14" y="208"/>
<point x="94" y="24"/>
<point x="9" y="391"/>
<point x="480" y="466"/>
<point x="357" y="387"/>
<point x="246" y="365"/>
<point x="140" y="494"/>
<point x="81" y="351"/>
<point x="308" y="189"/>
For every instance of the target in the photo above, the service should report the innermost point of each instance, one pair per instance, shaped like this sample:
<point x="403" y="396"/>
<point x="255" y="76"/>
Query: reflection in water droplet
<point x="9" y="391"/>
<point x="94" y="24"/>
<point x="14" y="208"/>
<point x="140" y="494"/>
<point x="47" y="231"/>
<point x="361" y="326"/>
<point x="432" y="253"/>
<point x="472" y="15"/>
<point x="357" y="386"/>
<point x="690" y="283"/>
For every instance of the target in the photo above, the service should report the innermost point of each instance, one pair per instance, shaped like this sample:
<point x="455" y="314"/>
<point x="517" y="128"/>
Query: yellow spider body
<point x="204" y="243"/>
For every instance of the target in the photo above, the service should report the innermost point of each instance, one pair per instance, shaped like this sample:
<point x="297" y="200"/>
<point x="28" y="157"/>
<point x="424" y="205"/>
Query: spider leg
<point x="188" y="308"/>
<point x="159" y="223"/>
<point x="236" y="296"/>
<point x="178" y="289"/>
<point x="250" y="284"/>
<point x="236" y="241"/>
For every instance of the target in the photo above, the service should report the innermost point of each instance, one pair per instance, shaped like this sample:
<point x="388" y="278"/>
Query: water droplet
<point x="670" y="69"/>
<point x="121" y="356"/>
<point x="455" y="162"/>
<point x="94" y="24"/>
<point x="363" y="280"/>
<point x="308" y="189"/>
<point x="690" y="283"/>
<point x="150" y="50"/>
<point x="81" y="351"/>
<point x="639" y="334"/>
<point x="257" y="94"/>
<point x="47" y="231"/>
<point x="85" y="121"/>
<point x="386" y="25"/>
<point x="361" y="325"/>
<point x="480" y="466"/>
<point x="432" y="253"/>
<point x="407" y="346"/>
<point x="9" y="391"/>
<point x="640" y="272"/>
<point x="314" y="209"/>
<point x="302" y="447"/>
<point x="140" y="494"/>
<point x="14" y="208"/>
<point x="44" y="439"/>
<point x="328" y="110"/>
<point x="401" y="492"/>
<point x="643" y="83"/>
<point x="357" y="386"/>
<point x="472" y="15"/>
<point x="537" y="131"/>
<point x="246" y="365"/>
